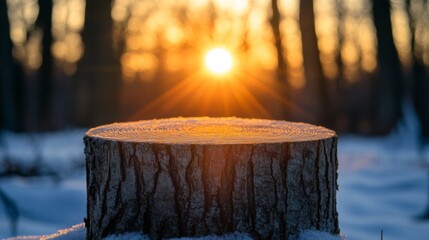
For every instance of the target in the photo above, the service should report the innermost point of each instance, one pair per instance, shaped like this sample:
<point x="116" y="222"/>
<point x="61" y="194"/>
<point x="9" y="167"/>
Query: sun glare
<point x="218" y="60"/>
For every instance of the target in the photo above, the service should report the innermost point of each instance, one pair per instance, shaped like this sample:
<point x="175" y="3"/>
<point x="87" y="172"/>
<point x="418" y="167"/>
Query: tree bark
<point x="200" y="176"/>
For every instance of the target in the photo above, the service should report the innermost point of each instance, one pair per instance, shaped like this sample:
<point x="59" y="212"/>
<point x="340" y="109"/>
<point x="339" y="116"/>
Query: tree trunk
<point x="316" y="82"/>
<point x="8" y="108"/>
<point x="275" y="27"/>
<point x="389" y="77"/>
<point x="281" y="71"/>
<point x="420" y="85"/>
<point x="98" y="77"/>
<point x="45" y="72"/>
<point x="199" y="176"/>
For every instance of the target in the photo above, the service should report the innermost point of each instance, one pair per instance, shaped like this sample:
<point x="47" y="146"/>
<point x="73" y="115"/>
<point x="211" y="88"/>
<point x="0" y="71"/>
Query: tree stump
<point x="182" y="177"/>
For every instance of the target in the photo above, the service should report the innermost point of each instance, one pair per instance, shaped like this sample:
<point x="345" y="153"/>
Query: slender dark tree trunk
<point x="389" y="80"/>
<point x="316" y="83"/>
<point x="420" y="85"/>
<point x="8" y="116"/>
<point x="339" y="81"/>
<point x="11" y="79"/>
<point x="339" y="84"/>
<point x="275" y="26"/>
<point x="45" y="74"/>
<point x="98" y="76"/>
<point x="281" y="70"/>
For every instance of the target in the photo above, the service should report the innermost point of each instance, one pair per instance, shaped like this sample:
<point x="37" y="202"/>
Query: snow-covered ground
<point x="383" y="185"/>
<point x="78" y="232"/>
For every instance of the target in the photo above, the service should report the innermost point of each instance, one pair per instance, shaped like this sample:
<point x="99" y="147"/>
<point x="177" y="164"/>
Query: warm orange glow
<point x="219" y="60"/>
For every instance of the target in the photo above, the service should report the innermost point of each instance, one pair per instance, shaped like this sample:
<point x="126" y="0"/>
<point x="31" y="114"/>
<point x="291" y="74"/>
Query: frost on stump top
<point x="183" y="177"/>
<point x="205" y="130"/>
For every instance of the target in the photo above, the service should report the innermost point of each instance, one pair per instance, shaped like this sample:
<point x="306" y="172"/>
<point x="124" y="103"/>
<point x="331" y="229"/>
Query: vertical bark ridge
<point x="277" y="156"/>
<point x="251" y="195"/>
<point x="276" y="193"/>
<point x="330" y="181"/>
<point x="122" y="160"/>
<point x="89" y="159"/>
<point x="316" y="177"/>
<point x="309" y="181"/>
<point x="104" y="201"/>
<point x="153" y="230"/>
<point x="205" y="180"/>
<point x="191" y="180"/>
<point x="172" y="171"/>
<point x="303" y="183"/>
<point x="117" y="216"/>
<point x="140" y="185"/>
<point x="225" y="200"/>
<point x="241" y="214"/>
<point x="334" y="182"/>
<point x="285" y="156"/>
<point x="326" y="189"/>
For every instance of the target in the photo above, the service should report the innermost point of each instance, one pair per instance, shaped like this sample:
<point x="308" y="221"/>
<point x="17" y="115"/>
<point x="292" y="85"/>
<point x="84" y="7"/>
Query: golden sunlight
<point x="218" y="60"/>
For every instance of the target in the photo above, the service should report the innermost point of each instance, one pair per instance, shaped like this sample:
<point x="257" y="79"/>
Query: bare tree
<point x="315" y="80"/>
<point x="419" y="80"/>
<point x="45" y="72"/>
<point x="275" y="26"/>
<point x="419" y="90"/>
<point x="8" y="108"/>
<point x="389" y="78"/>
<point x="12" y="107"/>
<point x="281" y="70"/>
<point x="98" y="77"/>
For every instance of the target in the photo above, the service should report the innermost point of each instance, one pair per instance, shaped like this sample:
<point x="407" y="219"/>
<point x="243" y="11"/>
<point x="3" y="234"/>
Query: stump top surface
<point x="206" y="130"/>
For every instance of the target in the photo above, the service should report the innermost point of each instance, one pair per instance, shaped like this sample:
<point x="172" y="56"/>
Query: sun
<point x="218" y="60"/>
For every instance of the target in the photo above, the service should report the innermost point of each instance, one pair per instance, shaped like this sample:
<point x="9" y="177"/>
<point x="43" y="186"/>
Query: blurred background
<point x="356" y="66"/>
<point x="347" y="65"/>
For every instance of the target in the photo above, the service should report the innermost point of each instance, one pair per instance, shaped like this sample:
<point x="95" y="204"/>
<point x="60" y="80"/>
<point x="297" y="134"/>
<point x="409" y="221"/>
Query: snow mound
<point x="140" y="236"/>
<point x="51" y="153"/>
<point x="313" y="234"/>
<point x="128" y="236"/>
<point x="78" y="232"/>
<point x="231" y="236"/>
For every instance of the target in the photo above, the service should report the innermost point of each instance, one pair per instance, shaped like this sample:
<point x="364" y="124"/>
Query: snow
<point x="312" y="235"/>
<point x="58" y="152"/>
<point x="78" y="232"/>
<point x="138" y="236"/>
<point x="306" y="235"/>
<point x="205" y="130"/>
<point x="75" y="232"/>
<point x="383" y="185"/>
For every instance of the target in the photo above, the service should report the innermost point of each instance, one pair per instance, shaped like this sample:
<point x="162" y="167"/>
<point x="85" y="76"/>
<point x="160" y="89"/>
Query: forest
<point x="348" y="65"/>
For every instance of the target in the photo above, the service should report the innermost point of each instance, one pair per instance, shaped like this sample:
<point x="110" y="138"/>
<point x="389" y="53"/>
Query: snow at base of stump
<point x="78" y="232"/>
